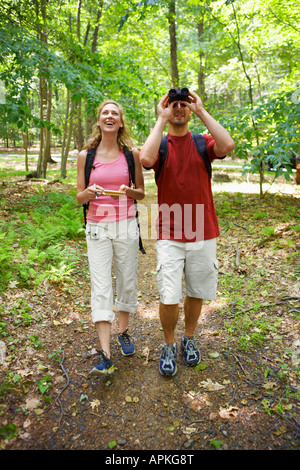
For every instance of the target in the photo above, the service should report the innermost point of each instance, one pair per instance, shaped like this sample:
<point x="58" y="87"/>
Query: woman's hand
<point x="94" y="191"/>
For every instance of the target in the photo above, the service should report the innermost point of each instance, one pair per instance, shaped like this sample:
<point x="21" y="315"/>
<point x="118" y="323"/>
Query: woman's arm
<point x="84" y="194"/>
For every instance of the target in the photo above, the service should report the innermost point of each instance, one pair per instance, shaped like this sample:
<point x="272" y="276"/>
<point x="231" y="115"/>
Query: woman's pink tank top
<point x="110" y="175"/>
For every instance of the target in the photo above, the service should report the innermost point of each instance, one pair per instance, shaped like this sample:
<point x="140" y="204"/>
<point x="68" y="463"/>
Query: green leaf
<point x="8" y="431"/>
<point x="216" y="444"/>
<point x="200" y="367"/>
<point x="112" y="444"/>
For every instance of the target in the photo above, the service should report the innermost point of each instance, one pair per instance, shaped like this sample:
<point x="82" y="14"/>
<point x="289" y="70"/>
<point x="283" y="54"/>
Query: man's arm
<point x="223" y="142"/>
<point x="149" y="151"/>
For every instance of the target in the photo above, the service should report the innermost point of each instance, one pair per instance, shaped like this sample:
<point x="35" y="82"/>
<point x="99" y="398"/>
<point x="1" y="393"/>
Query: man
<point x="187" y="222"/>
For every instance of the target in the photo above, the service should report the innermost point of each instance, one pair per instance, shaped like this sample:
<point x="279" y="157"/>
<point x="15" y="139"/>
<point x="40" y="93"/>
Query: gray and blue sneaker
<point x="126" y="345"/>
<point x="191" y="354"/>
<point x="104" y="366"/>
<point x="168" y="364"/>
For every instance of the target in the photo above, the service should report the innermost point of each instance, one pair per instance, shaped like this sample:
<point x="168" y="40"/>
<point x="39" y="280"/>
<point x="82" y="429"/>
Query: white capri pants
<point x="118" y="242"/>
<point x="198" y="262"/>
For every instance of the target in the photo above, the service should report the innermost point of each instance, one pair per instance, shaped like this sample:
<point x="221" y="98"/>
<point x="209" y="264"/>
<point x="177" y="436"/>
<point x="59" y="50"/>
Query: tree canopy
<point x="59" y="60"/>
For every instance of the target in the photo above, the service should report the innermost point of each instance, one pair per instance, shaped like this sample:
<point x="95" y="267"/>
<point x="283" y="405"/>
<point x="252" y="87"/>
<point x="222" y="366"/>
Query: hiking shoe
<point x="191" y="354"/>
<point x="104" y="366"/>
<point x="126" y="345"/>
<point x="167" y="364"/>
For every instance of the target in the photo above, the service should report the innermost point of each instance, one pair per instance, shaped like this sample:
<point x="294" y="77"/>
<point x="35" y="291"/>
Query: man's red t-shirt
<point x="186" y="208"/>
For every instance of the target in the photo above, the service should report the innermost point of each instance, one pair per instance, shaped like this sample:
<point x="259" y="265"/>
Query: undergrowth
<point x="37" y="239"/>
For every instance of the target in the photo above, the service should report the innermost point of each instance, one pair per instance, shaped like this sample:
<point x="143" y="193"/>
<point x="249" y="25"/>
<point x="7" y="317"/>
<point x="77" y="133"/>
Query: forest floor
<point x="243" y="396"/>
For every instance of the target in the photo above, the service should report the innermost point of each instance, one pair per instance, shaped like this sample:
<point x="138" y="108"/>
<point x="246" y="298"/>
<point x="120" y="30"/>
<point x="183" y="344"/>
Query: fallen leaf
<point x="95" y="403"/>
<point x="196" y="401"/>
<point x="213" y="355"/>
<point x="24" y="372"/>
<point x="211" y="386"/>
<point x="189" y="430"/>
<point x="226" y="382"/>
<point x="282" y="429"/>
<point x="270" y="386"/>
<point x="145" y="353"/>
<point x="201" y="367"/>
<point x="130" y="399"/>
<point x="112" y="444"/>
<point x="228" y="412"/>
<point x="32" y="403"/>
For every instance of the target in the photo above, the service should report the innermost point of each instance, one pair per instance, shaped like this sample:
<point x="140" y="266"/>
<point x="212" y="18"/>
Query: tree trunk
<point x="68" y="143"/>
<point x="45" y="97"/>
<point x="250" y="92"/>
<point x="40" y="163"/>
<point x="173" y="43"/>
<point x="78" y="131"/>
<point x="78" y="19"/>
<point x="25" y="143"/>
<point x="47" y="130"/>
<point x="63" y="162"/>
<point x="90" y="118"/>
<point x="201" y="74"/>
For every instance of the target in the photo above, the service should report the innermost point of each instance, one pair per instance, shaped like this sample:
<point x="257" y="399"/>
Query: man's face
<point x="180" y="113"/>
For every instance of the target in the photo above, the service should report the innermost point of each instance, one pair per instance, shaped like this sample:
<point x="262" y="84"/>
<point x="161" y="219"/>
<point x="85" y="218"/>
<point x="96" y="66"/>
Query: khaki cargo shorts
<point x="197" y="261"/>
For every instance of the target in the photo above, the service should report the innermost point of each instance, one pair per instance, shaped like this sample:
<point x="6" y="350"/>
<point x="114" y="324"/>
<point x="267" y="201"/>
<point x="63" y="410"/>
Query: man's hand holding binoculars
<point x="182" y="96"/>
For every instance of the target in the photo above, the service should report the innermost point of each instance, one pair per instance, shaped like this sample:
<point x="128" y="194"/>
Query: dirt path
<point x="226" y="404"/>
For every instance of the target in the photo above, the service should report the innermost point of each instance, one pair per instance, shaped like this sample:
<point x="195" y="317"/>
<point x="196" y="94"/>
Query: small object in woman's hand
<point x="96" y="195"/>
<point x="111" y="192"/>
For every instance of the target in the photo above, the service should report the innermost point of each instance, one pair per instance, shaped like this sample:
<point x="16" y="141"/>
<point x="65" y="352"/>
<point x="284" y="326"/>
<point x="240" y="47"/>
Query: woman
<point x="111" y="230"/>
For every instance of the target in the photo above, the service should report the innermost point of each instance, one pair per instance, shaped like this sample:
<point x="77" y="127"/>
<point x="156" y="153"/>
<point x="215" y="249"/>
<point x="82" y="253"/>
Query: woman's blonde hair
<point x="123" y="138"/>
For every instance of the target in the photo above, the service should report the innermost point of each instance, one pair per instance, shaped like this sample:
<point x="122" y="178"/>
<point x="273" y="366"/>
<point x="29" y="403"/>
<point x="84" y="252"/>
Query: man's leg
<point x="168" y="359"/>
<point x="168" y="318"/>
<point x="170" y="262"/>
<point x="192" y="311"/>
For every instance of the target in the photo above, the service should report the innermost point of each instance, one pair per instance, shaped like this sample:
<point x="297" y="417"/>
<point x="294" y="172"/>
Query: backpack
<point x="200" y="144"/>
<point x="89" y="164"/>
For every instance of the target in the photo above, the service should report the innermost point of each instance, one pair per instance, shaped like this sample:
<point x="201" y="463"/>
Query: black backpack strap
<point x="89" y="164"/>
<point x="131" y="165"/>
<point x="131" y="168"/>
<point x="200" y="144"/>
<point x="163" y="151"/>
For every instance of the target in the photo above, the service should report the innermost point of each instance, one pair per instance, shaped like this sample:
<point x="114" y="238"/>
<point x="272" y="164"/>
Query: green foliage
<point x="8" y="431"/>
<point x="44" y="384"/>
<point x="242" y="49"/>
<point x="33" y="246"/>
<point x="268" y="132"/>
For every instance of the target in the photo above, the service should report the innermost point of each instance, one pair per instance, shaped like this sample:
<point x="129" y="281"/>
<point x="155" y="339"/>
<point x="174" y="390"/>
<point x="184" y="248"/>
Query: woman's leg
<point x="104" y="330"/>
<point x="125" y="249"/>
<point x="100" y="263"/>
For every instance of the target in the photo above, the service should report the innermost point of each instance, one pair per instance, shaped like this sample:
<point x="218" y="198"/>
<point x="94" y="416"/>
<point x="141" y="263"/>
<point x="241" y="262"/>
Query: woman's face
<point x="110" y="118"/>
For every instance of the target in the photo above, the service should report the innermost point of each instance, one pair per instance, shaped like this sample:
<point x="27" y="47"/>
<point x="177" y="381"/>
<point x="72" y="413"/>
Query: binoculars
<point x="179" y="94"/>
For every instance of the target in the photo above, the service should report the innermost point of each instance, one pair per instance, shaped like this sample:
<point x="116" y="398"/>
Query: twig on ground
<point x="60" y="393"/>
